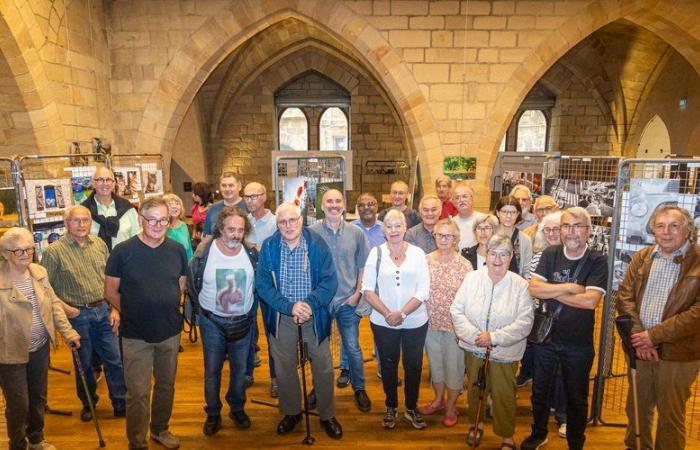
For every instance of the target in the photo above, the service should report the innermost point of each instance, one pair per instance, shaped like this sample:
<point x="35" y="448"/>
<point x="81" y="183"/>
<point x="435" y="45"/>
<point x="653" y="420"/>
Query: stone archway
<point x="220" y="35"/>
<point x="671" y="21"/>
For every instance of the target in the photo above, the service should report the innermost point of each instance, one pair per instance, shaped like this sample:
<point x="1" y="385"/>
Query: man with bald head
<point x="399" y="198"/>
<point x="296" y="281"/>
<point x="463" y="198"/>
<point x="349" y="248"/>
<point x="114" y="219"/>
<point x="75" y="264"/>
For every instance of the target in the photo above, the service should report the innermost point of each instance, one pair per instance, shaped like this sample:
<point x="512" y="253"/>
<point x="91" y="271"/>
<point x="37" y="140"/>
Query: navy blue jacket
<point x="323" y="283"/>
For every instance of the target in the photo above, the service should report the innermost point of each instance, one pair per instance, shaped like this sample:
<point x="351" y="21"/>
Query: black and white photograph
<point x="645" y="195"/>
<point x="622" y="261"/>
<point x="597" y="197"/>
<point x="600" y="239"/>
<point x="530" y="179"/>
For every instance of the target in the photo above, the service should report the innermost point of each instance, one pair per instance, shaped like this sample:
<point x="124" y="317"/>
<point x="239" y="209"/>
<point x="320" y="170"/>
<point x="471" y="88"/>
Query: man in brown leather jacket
<point x="661" y="291"/>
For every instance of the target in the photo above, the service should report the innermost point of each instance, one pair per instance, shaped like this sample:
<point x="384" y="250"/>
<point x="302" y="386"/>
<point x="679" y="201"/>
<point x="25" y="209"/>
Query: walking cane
<point x="81" y="372"/>
<point x="303" y="359"/>
<point x="481" y="384"/>
<point x="623" y="323"/>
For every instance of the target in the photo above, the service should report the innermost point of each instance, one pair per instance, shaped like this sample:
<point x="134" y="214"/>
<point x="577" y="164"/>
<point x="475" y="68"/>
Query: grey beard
<point x="232" y="245"/>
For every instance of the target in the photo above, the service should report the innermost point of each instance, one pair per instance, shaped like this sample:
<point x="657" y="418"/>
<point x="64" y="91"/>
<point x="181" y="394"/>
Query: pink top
<point x="445" y="281"/>
<point x="197" y="216"/>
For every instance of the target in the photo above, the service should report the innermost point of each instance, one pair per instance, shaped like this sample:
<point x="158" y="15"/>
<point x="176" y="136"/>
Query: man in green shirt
<point x="76" y="266"/>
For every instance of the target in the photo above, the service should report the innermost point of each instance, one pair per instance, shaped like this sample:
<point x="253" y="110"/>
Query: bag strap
<point x="379" y="262"/>
<point x="580" y="265"/>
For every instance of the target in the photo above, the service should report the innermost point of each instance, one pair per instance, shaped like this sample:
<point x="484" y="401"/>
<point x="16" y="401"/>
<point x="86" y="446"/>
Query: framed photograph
<point x="127" y="182"/>
<point x="153" y="180"/>
<point x="638" y="205"/>
<point x="459" y="167"/>
<point x="47" y="196"/>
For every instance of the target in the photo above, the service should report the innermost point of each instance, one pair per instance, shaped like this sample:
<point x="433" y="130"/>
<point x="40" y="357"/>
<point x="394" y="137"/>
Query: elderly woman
<point x="484" y="227"/>
<point x="396" y="283"/>
<point x="493" y="310"/>
<point x="178" y="230"/>
<point x="447" y="271"/>
<point x="30" y="313"/>
<point x="547" y="234"/>
<point x="509" y="212"/>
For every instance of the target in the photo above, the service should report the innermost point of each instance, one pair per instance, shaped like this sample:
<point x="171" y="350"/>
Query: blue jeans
<point x="215" y="349"/>
<point x="92" y="324"/>
<point x="349" y="328"/>
<point x="575" y="363"/>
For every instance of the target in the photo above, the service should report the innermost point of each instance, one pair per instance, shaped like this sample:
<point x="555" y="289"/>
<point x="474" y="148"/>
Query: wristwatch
<point x="403" y="315"/>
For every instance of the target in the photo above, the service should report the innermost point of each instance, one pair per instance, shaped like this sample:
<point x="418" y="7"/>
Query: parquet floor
<point x="362" y="430"/>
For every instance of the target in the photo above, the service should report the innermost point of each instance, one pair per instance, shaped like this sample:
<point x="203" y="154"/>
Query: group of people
<point x="458" y="284"/>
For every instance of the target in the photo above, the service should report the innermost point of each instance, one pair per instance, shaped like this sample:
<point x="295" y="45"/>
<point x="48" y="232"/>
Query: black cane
<point x="303" y="358"/>
<point x="623" y="323"/>
<point x="481" y="384"/>
<point x="81" y="372"/>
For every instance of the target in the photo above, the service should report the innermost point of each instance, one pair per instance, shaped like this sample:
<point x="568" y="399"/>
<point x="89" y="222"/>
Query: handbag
<point x="363" y="308"/>
<point x="545" y="317"/>
<point x="233" y="328"/>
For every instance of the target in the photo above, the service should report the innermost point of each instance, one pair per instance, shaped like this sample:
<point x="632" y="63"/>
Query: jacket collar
<point x="36" y="272"/>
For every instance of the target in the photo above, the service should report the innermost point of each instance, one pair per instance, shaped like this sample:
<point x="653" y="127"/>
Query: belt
<point x="90" y="305"/>
<point x="210" y="315"/>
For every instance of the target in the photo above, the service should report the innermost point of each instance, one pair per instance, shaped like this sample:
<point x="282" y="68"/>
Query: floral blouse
<point x="445" y="280"/>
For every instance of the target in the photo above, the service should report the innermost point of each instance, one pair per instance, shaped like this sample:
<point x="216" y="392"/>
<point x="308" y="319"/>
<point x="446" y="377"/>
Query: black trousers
<point x="24" y="387"/>
<point x="391" y="344"/>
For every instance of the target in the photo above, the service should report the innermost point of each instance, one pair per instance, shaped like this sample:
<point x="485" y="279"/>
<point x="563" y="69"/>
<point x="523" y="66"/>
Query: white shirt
<point x="227" y="287"/>
<point x="398" y="284"/>
<point x="261" y="228"/>
<point x="466" y="229"/>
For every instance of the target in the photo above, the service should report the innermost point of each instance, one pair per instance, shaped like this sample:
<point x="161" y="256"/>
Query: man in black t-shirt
<point x="571" y="279"/>
<point x="144" y="278"/>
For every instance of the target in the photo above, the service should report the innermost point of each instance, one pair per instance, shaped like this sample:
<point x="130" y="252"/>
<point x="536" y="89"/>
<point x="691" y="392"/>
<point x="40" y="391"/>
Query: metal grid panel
<point x="642" y="185"/>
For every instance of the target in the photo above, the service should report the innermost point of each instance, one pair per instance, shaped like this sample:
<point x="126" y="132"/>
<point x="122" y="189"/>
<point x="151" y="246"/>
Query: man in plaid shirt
<point x="661" y="291"/>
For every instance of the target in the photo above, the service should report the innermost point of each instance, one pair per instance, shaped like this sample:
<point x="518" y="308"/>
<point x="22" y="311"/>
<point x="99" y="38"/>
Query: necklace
<point x="399" y="254"/>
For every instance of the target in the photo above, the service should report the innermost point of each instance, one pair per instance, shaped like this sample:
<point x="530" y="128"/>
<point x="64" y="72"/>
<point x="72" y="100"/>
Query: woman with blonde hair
<point x="178" y="230"/>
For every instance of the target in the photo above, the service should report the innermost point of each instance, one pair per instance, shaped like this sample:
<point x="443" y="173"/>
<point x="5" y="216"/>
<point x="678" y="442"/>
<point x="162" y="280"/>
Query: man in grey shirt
<point x="349" y="248"/>
<point x="421" y="235"/>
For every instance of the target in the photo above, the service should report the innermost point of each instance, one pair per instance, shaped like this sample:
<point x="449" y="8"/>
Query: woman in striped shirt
<point x="30" y="313"/>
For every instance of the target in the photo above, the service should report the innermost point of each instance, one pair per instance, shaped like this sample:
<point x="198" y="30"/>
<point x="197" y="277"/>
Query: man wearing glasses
<point x="543" y="205"/>
<point x="571" y="279"/>
<point x="463" y="198"/>
<point x="114" y="218"/>
<point x="662" y="294"/>
<point x="76" y="266"/>
<point x="145" y="276"/>
<point x="296" y="280"/>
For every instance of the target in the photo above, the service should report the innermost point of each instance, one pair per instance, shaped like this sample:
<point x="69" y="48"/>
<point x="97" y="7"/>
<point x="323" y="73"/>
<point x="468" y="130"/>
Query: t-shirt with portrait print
<point x="227" y="284"/>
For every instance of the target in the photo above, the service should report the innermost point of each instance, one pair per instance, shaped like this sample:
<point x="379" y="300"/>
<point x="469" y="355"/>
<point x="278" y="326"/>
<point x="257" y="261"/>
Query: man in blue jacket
<point x="296" y="282"/>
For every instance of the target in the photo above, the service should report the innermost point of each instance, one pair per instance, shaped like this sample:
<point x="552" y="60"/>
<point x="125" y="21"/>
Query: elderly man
<point x="463" y="198"/>
<point x="349" y="248"/>
<point x="296" y="280"/>
<point x="368" y="222"/>
<point x="76" y="266"/>
<point x="661" y="293"/>
<point x="421" y="235"/>
<point x="399" y="197"/>
<point x="524" y="196"/>
<point x="543" y="205"/>
<point x="145" y="276"/>
<point x="443" y="188"/>
<point x="571" y="279"/>
<point x="226" y="332"/>
<point x="114" y="219"/>
<point x="262" y="226"/>
<point x="230" y="188"/>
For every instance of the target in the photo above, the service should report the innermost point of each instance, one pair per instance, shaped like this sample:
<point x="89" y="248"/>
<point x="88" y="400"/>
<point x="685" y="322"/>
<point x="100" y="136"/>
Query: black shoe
<point x="362" y="401"/>
<point x="212" y="425"/>
<point x="86" y="414"/>
<point x="533" y="442"/>
<point x="240" y="418"/>
<point x="332" y="428"/>
<point x="180" y="349"/>
<point x="120" y="413"/>
<point x="288" y="423"/>
<point x="344" y="379"/>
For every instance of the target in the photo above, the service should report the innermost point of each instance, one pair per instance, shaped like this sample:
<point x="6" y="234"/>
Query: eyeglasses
<point x="103" y="180"/>
<point x="463" y="197"/>
<point x="288" y="222"/>
<point x="163" y="221"/>
<point x="252" y="196"/>
<point x="544" y="209"/>
<point x="486" y="228"/>
<point x="22" y="251"/>
<point x="575" y="227"/>
<point x="671" y="227"/>
<point x="509" y="212"/>
<point x="548" y="230"/>
<point x="496" y="255"/>
<point x="444" y="236"/>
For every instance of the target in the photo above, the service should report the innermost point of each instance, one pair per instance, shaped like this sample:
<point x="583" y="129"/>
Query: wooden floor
<point x="361" y="429"/>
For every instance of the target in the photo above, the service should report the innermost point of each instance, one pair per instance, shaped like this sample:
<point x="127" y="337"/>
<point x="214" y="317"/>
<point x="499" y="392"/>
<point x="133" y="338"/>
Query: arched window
<point x="333" y="130"/>
<point x="293" y="130"/>
<point x="532" y="132"/>
<point x="502" y="147"/>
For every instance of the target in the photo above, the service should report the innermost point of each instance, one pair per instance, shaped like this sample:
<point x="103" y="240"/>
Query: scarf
<point x="109" y="226"/>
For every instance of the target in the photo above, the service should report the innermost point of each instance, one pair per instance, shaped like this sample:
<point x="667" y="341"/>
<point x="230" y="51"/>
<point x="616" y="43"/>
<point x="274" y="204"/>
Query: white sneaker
<point x="562" y="430"/>
<point x="166" y="439"/>
<point x="43" y="445"/>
